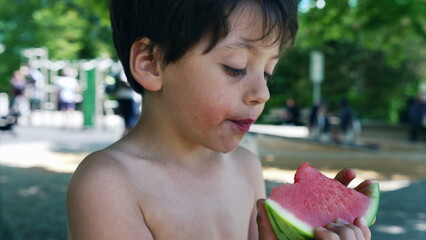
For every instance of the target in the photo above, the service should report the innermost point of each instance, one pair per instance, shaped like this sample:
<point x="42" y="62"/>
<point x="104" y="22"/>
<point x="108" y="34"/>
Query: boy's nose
<point x="257" y="91"/>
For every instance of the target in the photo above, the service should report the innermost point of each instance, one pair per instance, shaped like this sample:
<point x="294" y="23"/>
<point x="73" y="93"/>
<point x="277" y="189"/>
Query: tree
<point x="69" y="29"/>
<point x="374" y="52"/>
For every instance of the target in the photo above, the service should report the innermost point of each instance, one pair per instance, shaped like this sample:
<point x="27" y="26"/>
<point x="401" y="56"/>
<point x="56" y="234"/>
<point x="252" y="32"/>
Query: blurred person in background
<point x="348" y="123"/>
<point x="20" y="105"/>
<point x="417" y="117"/>
<point x="319" y="123"/>
<point x="292" y="113"/>
<point x="128" y="101"/>
<point x="35" y="87"/>
<point x="68" y="94"/>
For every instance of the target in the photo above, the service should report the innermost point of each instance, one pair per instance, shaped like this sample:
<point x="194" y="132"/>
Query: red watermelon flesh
<point x="316" y="200"/>
<point x="314" y="192"/>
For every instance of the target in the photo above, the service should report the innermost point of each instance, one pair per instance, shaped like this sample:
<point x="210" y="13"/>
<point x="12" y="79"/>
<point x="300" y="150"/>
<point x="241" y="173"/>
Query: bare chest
<point x="178" y="207"/>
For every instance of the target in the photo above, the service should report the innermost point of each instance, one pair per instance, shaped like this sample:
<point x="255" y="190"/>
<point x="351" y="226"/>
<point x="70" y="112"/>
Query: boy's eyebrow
<point x="246" y="45"/>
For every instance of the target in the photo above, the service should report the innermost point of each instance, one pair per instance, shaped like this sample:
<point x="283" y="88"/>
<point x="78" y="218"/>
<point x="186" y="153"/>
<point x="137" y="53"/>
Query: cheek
<point x="215" y="107"/>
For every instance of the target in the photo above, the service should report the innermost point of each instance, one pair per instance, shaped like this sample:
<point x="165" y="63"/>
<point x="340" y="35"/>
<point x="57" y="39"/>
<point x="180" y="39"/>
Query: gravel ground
<point x="33" y="203"/>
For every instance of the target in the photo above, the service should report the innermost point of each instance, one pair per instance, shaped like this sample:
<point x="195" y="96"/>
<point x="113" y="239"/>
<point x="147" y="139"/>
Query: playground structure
<point x="91" y="74"/>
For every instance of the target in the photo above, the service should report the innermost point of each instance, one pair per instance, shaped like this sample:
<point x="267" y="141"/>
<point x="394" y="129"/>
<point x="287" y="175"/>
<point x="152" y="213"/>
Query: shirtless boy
<point x="203" y="68"/>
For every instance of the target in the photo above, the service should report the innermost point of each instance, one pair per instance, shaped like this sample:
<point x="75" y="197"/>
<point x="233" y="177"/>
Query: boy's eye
<point x="235" y="72"/>
<point x="268" y="77"/>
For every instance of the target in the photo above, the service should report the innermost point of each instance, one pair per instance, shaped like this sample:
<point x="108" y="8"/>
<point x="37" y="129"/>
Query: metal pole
<point x="316" y="71"/>
<point x="89" y="99"/>
<point x="316" y="92"/>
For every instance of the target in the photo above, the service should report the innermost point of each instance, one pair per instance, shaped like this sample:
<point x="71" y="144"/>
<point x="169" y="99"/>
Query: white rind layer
<point x="304" y="227"/>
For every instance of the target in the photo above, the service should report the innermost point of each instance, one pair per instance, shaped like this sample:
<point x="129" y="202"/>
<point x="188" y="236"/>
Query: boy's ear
<point x="145" y="66"/>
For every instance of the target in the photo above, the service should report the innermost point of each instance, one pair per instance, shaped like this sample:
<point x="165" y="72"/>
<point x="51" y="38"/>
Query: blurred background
<point x="350" y="93"/>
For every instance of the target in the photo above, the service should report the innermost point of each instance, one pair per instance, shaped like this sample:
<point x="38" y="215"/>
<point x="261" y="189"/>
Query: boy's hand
<point x="264" y="227"/>
<point x="342" y="230"/>
<point x="345" y="176"/>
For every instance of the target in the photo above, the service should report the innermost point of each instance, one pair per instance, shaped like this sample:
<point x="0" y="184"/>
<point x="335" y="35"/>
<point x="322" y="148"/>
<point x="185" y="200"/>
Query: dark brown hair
<point x="175" y="26"/>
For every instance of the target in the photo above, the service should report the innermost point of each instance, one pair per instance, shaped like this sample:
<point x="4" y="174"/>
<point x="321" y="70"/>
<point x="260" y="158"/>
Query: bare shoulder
<point x="251" y="168"/>
<point x="99" y="171"/>
<point x="101" y="201"/>
<point x="247" y="160"/>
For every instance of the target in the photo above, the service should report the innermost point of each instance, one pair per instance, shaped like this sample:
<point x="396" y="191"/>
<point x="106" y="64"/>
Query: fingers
<point x="341" y="229"/>
<point x="346" y="230"/>
<point x="264" y="227"/>
<point x="359" y="222"/>
<point x="345" y="176"/>
<point x="364" y="187"/>
<point x="321" y="233"/>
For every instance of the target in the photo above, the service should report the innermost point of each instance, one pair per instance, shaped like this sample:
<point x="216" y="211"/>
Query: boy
<point x="202" y="66"/>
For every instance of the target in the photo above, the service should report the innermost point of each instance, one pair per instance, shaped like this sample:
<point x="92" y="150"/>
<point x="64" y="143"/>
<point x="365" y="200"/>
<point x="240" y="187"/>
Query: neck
<point x="156" y="137"/>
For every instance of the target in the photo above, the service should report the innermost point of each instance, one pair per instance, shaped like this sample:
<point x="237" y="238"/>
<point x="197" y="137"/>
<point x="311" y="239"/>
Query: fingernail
<point x="368" y="182"/>
<point x="321" y="228"/>
<point x="333" y="225"/>
<point x="348" y="172"/>
<point x="362" y="221"/>
<point x="341" y="221"/>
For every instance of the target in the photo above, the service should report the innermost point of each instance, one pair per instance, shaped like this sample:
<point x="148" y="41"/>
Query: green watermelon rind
<point x="374" y="195"/>
<point x="284" y="223"/>
<point x="288" y="227"/>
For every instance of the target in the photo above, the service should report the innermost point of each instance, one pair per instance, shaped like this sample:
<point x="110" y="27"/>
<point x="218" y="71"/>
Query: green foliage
<point x="69" y="29"/>
<point x="374" y="56"/>
<point x="64" y="22"/>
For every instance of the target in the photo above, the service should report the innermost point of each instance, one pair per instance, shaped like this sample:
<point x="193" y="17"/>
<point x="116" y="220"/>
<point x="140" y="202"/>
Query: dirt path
<point x="389" y="163"/>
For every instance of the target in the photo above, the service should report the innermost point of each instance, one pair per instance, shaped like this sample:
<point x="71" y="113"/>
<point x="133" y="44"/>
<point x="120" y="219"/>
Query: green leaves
<point x="69" y="29"/>
<point x="375" y="56"/>
<point x="61" y="29"/>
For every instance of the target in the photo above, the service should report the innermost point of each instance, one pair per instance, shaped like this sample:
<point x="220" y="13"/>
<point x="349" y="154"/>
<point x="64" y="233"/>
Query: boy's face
<point x="211" y="99"/>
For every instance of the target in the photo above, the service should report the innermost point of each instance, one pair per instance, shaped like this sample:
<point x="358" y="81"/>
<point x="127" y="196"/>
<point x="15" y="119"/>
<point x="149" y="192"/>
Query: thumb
<point x="263" y="225"/>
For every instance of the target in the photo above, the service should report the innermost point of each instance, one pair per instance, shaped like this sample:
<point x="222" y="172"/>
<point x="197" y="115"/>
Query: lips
<point x="243" y="124"/>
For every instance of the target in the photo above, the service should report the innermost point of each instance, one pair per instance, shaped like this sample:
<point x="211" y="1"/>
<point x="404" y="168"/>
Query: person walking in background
<point x="20" y="105"/>
<point x="319" y="124"/>
<point x="416" y="118"/>
<point x="18" y="84"/>
<point x="347" y="119"/>
<point x="68" y="94"/>
<point x="292" y="113"/>
<point x="128" y="102"/>
<point x="36" y="85"/>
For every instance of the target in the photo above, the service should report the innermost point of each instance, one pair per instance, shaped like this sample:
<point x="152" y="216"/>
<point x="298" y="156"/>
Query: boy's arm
<point x="255" y="174"/>
<point x="101" y="205"/>
<point x="264" y="226"/>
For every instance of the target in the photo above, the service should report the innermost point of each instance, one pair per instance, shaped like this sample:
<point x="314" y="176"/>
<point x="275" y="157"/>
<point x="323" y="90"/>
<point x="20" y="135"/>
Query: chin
<point x="226" y="148"/>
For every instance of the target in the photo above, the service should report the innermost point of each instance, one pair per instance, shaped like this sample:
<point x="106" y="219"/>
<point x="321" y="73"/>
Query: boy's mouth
<point x="243" y="124"/>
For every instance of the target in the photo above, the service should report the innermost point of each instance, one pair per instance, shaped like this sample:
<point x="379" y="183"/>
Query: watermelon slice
<point x="294" y="210"/>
